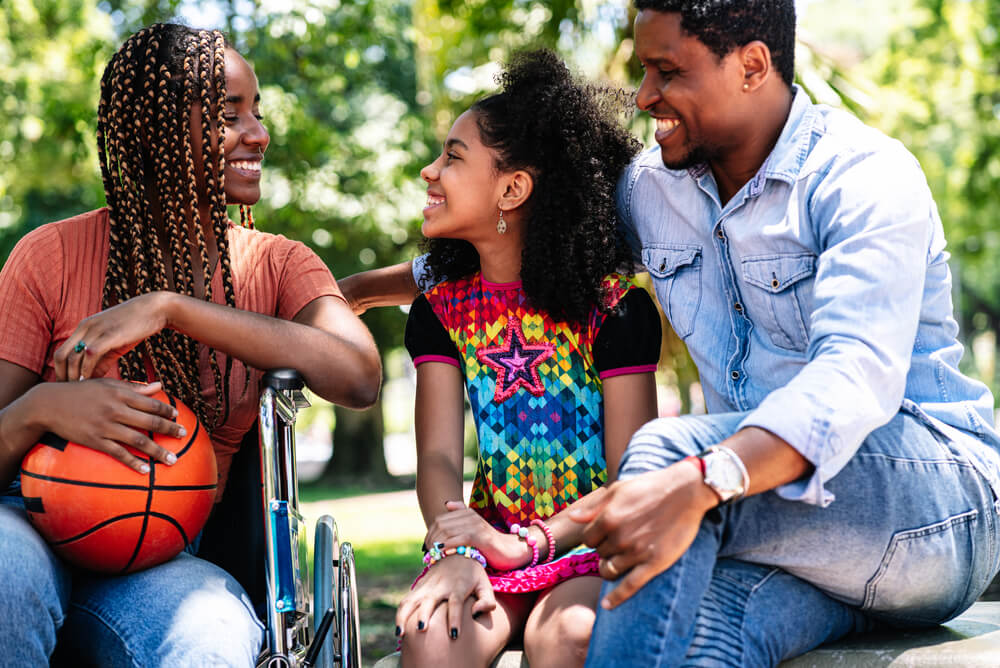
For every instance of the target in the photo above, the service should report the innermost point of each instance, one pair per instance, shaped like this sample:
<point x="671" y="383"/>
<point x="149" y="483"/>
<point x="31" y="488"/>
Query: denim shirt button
<point x="775" y="283"/>
<point x="719" y="233"/>
<point x="739" y="307"/>
<point x="735" y="375"/>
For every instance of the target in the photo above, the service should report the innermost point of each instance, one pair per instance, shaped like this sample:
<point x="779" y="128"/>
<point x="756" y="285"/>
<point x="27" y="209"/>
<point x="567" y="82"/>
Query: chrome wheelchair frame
<point x="309" y="621"/>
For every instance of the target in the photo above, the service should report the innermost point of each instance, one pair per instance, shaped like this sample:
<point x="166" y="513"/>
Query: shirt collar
<point x="790" y="152"/>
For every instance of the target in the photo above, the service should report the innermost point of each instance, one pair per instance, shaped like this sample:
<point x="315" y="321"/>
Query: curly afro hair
<point x="568" y="135"/>
<point x="724" y="25"/>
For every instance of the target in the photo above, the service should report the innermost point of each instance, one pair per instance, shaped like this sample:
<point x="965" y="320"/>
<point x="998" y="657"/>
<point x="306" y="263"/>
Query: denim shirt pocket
<point x="779" y="297"/>
<point x="676" y="273"/>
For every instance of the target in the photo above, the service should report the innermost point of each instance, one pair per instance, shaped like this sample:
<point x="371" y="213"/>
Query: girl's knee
<point x="561" y="638"/>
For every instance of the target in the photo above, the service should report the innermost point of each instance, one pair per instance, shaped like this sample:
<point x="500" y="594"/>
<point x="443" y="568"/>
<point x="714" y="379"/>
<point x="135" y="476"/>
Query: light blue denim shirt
<point x="800" y="299"/>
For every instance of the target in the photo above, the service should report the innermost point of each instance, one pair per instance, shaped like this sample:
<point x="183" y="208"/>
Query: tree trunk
<point x="357" y="445"/>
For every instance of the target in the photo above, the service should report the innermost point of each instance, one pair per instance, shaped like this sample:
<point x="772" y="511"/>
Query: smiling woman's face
<point x="246" y="138"/>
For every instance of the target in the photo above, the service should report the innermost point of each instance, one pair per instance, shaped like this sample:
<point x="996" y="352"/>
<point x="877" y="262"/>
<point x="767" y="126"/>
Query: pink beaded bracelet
<point x="522" y="533"/>
<point x="548" y="536"/>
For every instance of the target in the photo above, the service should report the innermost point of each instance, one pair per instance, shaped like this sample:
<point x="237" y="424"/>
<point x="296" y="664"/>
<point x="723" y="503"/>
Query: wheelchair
<point x="309" y="610"/>
<point x="304" y="628"/>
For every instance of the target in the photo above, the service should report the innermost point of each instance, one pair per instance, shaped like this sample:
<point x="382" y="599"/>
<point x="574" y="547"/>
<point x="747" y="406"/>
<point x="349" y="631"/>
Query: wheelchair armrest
<point x="283" y="379"/>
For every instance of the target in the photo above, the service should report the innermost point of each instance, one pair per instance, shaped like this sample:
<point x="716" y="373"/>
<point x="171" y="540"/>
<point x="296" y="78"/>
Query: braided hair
<point x="569" y="137"/>
<point x="147" y="163"/>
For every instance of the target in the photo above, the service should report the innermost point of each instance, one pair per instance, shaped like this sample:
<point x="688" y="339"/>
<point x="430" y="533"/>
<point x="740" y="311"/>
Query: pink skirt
<point x="575" y="563"/>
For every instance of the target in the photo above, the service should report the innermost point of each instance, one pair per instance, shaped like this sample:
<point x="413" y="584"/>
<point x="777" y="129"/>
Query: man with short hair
<point x="847" y="474"/>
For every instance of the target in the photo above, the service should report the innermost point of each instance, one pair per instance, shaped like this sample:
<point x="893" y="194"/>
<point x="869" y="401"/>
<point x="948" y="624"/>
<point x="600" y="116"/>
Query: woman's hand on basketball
<point x="98" y="341"/>
<point x="641" y="526"/>
<point x="449" y="582"/>
<point x="107" y="414"/>
<point x="460" y="525"/>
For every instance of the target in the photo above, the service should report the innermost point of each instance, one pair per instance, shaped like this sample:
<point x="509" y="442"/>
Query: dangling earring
<point x="246" y="217"/>
<point x="501" y="224"/>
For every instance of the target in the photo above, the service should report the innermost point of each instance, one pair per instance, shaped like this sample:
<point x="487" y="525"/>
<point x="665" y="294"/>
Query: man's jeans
<point x="911" y="540"/>
<point x="186" y="612"/>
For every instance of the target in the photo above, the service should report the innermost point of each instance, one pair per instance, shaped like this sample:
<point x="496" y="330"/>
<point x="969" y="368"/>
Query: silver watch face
<point x="723" y="475"/>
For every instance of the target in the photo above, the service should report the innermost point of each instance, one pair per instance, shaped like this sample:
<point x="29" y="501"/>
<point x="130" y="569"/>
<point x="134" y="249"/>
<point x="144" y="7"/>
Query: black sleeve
<point x="629" y="339"/>
<point x="426" y="336"/>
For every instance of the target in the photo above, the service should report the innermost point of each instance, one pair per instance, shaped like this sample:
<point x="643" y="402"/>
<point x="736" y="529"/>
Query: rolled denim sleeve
<point x="874" y="220"/>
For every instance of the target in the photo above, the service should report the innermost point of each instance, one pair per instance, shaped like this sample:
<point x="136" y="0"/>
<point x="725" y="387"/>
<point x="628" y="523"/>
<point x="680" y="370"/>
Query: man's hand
<point x="641" y="526"/>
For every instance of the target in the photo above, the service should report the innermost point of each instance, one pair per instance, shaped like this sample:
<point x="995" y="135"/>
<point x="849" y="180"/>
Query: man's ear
<point x="520" y="185"/>
<point x="755" y="57"/>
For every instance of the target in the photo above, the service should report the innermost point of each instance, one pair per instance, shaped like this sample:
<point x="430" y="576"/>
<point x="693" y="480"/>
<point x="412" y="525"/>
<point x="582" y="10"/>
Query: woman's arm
<point x="101" y="414"/>
<point x="385" y="286"/>
<point x="325" y="341"/>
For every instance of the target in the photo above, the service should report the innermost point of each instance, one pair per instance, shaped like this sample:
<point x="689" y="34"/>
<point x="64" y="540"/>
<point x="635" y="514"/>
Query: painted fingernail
<point x="171" y="458"/>
<point x="144" y="468"/>
<point x="420" y="626"/>
<point x="182" y="432"/>
<point x="81" y="377"/>
<point x="398" y="631"/>
<point x="606" y="604"/>
<point x="454" y="633"/>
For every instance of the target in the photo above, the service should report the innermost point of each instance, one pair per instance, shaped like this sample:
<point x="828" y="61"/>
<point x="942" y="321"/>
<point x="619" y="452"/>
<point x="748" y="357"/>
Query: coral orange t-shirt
<point x="54" y="278"/>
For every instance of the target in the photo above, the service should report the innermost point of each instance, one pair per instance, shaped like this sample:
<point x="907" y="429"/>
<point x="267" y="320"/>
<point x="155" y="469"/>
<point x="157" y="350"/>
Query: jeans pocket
<point x="676" y="273"/>
<point x="925" y="573"/>
<point x="779" y="296"/>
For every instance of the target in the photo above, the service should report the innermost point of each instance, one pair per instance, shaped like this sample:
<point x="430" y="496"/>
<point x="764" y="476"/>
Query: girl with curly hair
<point x="556" y="349"/>
<point x="157" y="286"/>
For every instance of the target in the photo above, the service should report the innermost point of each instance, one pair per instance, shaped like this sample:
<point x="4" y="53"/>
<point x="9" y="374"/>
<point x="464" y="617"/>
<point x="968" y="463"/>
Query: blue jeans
<point x="186" y="612"/>
<point x="911" y="540"/>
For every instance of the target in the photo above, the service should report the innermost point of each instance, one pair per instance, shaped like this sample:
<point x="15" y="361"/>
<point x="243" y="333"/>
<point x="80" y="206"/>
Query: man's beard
<point x="700" y="154"/>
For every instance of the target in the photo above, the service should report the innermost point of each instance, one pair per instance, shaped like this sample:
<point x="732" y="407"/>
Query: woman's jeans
<point x="911" y="540"/>
<point x="186" y="612"/>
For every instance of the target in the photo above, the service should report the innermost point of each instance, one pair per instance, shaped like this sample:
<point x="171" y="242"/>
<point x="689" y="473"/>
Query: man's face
<point x="693" y="95"/>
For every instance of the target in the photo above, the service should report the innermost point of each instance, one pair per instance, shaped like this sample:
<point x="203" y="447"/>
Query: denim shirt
<point x="818" y="299"/>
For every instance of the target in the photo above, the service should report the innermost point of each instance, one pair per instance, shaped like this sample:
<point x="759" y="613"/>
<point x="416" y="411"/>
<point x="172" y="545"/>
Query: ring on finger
<point x="610" y="567"/>
<point x="80" y="346"/>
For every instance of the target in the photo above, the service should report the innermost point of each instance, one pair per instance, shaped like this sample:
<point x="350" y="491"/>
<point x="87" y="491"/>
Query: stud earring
<point x="746" y="86"/>
<point x="501" y="224"/>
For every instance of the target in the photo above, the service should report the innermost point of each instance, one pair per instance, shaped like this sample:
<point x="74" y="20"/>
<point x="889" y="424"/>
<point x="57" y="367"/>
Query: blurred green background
<point x="357" y="95"/>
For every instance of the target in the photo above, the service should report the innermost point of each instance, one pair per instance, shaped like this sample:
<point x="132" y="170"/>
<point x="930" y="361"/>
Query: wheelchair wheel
<point x="348" y="624"/>
<point x="326" y="576"/>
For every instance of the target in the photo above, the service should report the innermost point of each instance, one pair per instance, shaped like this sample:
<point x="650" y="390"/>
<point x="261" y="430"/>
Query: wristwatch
<point x="723" y="471"/>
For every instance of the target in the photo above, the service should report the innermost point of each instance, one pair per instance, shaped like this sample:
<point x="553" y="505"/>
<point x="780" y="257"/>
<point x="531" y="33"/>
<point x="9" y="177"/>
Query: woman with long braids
<point x="158" y="288"/>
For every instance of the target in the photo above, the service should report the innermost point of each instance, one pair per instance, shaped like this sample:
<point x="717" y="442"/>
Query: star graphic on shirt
<point x="516" y="363"/>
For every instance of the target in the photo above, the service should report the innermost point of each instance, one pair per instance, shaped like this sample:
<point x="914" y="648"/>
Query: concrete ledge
<point x="971" y="640"/>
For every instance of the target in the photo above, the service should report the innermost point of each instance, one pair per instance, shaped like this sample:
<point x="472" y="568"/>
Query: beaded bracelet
<point x="436" y="554"/>
<point x="548" y="536"/>
<point x="522" y="533"/>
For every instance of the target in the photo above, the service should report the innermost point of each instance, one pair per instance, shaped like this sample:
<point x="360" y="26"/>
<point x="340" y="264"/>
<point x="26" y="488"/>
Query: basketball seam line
<point x="145" y="516"/>
<point x="108" y="485"/>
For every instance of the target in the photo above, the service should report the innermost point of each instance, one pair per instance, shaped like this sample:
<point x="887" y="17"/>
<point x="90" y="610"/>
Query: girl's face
<point x="246" y="137"/>
<point x="463" y="186"/>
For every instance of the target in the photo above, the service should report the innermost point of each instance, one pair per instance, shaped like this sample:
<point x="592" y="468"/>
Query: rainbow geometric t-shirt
<point x="535" y="392"/>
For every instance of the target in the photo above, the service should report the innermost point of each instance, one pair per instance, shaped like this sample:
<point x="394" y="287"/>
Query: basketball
<point x="101" y="515"/>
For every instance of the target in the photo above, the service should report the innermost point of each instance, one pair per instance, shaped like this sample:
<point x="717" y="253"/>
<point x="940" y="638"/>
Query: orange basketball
<point x="100" y="514"/>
